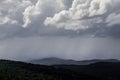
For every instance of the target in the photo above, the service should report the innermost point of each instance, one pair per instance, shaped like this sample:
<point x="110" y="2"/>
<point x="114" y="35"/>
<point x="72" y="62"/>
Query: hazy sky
<point x="72" y="29"/>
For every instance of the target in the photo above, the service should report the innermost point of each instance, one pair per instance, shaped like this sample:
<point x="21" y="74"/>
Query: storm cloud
<point x="62" y="47"/>
<point x="76" y="29"/>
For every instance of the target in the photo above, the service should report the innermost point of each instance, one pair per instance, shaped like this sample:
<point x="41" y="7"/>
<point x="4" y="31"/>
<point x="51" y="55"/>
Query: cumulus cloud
<point x="36" y="16"/>
<point x="28" y="28"/>
<point x="12" y="13"/>
<point x="43" y="8"/>
<point x="27" y="11"/>
<point x="85" y="14"/>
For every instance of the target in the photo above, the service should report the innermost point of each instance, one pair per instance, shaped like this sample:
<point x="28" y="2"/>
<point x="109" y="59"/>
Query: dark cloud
<point x="77" y="29"/>
<point x="63" y="47"/>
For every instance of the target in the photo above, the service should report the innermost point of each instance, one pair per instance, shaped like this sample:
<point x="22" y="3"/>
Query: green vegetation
<point x="22" y="71"/>
<point x="10" y="70"/>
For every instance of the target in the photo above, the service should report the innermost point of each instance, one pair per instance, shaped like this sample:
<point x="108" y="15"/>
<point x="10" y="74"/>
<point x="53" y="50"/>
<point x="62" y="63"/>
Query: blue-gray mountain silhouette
<point x="59" y="61"/>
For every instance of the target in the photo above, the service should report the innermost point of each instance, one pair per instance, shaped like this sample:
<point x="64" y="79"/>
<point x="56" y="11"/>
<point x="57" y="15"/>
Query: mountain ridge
<point x="58" y="61"/>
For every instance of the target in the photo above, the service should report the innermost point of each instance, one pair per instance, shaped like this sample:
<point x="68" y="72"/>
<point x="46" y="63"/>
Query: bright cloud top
<point x="86" y="14"/>
<point x="67" y="14"/>
<point x="23" y="12"/>
<point x="60" y="16"/>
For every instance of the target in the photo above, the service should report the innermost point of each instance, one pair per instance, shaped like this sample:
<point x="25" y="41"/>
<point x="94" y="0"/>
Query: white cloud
<point x="67" y="14"/>
<point x="42" y="8"/>
<point x="11" y="10"/>
<point x="84" y="14"/>
<point x="6" y="20"/>
<point x="31" y="12"/>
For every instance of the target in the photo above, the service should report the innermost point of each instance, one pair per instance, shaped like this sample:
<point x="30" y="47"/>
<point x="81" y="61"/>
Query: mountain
<point x="106" y="70"/>
<point x="58" y="61"/>
<point x="12" y="70"/>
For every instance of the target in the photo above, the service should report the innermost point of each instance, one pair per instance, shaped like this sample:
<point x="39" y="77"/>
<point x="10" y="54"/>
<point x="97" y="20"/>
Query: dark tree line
<point x="11" y="70"/>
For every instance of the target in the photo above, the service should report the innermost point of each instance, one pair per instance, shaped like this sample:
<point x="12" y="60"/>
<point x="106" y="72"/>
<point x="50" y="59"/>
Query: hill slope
<point x="11" y="70"/>
<point x="106" y="70"/>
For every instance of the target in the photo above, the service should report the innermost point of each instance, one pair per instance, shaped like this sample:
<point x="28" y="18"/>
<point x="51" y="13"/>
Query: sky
<point x="69" y="29"/>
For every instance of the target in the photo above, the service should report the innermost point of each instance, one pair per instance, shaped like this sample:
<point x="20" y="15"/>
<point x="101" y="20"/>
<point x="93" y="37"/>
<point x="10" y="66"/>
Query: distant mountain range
<point x="59" y="61"/>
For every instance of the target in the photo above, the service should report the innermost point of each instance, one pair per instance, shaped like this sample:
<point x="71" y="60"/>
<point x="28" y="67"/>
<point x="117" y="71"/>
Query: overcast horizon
<point x="69" y="29"/>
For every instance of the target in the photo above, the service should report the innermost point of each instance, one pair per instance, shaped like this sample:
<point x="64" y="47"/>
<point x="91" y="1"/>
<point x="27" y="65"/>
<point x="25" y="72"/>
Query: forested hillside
<point x="10" y="70"/>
